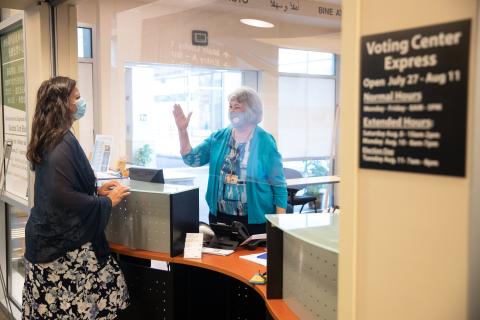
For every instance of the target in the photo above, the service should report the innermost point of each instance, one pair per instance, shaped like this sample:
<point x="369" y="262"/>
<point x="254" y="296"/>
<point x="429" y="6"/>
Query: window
<point x="151" y="92"/>
<point x="306" y="116"/>
<point x="306" y="103"/>
<point x="154" y="91"/>
<point x="306" y="62"/>
<point x="84" y="42"/>
<point x="306" y="113"/>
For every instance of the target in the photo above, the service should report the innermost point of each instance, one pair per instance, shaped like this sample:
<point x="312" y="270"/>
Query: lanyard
<point x="246" y="154"/>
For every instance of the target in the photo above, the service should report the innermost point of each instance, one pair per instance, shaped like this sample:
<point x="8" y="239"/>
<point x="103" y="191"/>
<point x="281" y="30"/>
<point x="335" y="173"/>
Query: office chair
<point x="293" y="198"/>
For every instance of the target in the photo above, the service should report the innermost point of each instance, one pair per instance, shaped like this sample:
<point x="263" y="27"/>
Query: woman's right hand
<point x="180" y="120"/>
<point x="119" y="193"/>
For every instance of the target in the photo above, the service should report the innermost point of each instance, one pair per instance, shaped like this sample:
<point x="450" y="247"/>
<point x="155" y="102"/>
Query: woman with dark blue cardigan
<point x="246" y="178"/>
<point x="69" y="273"/>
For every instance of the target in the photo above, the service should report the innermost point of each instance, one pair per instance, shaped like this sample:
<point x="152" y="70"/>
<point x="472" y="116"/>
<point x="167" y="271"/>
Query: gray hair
<point x="251" y="99"/>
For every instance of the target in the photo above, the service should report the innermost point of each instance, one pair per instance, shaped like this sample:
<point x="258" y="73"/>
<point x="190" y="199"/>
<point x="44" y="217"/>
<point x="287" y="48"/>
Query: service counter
<point x="155" y="217"/>
<point x="212" y="286"/>
<point x="147" y="234"/>
<point x="303" y="263"/>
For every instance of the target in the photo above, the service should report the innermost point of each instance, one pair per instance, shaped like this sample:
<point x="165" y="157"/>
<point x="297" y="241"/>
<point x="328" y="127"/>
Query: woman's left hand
<point x="107" y="187"/>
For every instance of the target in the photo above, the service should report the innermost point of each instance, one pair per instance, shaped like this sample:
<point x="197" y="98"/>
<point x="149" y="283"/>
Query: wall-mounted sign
<point x="413" y="101"/>
<point x="311" y="8"/>
<point x="199" y="38"/>
<point x="14" y="113"/>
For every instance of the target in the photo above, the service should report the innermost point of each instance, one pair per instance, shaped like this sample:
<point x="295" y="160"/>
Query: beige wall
<point x="66" y="40"/>
<point x="474" y="223"/>
<point x="38" y="59"/>
<point x="37" y="68"/>
<point x="87" y="12"/>
<point x="38" y="54"/>
<point x="404" y="237"/>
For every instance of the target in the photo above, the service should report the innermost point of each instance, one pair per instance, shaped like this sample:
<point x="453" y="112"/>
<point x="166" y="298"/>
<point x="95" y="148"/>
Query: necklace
<point x="241" y="137"/>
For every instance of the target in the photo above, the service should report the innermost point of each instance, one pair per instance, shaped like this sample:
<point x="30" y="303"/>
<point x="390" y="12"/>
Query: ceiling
<point x="306" y="17"/>
<point x="216" y="5"/>
<point x="16" y="4"/>
<point x="22" y="4"/>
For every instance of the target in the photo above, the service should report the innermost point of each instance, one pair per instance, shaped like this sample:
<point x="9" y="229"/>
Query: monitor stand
<point x="222" y="243"/>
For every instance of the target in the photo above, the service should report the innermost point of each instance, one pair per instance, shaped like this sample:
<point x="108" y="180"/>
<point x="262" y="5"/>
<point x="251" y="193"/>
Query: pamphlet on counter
<point x="193" y="246"/>
<point x="253" y="237"/>
<point x="260" y="258"/>
<point x="101" y="152"/>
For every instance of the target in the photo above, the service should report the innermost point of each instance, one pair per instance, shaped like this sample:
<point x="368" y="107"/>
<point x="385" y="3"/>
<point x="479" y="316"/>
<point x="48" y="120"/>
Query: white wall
<point x="404" y="237"/>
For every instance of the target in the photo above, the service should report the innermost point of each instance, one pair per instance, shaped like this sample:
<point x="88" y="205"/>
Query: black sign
<point x="414" y="99"/>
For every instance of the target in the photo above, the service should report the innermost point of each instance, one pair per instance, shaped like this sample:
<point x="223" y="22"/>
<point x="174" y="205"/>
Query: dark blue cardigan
<point x="66" y="212"/>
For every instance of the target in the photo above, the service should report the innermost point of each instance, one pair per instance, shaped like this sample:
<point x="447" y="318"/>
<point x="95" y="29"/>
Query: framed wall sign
<point x="413" y="101"/>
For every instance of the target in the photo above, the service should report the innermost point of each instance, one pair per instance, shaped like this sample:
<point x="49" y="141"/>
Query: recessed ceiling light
<point x="257" y="23"/>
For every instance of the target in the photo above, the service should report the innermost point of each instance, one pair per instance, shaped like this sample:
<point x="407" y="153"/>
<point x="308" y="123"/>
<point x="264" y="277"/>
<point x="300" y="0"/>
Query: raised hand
<point x="180" y="120"/>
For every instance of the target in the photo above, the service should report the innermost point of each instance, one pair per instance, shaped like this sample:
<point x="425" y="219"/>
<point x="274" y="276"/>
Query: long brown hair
<point x="52" y="118"/>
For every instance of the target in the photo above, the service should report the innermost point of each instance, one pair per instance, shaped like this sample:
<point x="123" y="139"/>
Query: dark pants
<point x="228" y="219"/>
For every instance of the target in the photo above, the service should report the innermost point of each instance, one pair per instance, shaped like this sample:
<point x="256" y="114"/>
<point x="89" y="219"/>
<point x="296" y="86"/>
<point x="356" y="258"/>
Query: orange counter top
<point x="231" y="265"/>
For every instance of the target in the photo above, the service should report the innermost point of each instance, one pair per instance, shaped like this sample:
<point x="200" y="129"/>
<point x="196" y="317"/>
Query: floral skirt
<point x="74" y="286"/>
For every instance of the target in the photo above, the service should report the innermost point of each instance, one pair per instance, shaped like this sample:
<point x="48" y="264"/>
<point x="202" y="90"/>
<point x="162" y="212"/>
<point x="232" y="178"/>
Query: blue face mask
<point x="239" y="119"/>
<point x="81" y="105"/>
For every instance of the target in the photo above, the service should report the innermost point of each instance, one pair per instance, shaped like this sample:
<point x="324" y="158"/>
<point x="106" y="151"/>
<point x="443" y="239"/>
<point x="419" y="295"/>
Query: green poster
<point x="14" y="110"/>
<point x="13" y="69"/>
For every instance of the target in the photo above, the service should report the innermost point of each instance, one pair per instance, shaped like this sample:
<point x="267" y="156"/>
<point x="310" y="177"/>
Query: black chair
<point x="293" y="198"/>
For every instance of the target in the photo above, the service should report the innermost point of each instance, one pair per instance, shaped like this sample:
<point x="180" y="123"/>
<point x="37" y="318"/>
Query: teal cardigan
<point x="266" y="186"/>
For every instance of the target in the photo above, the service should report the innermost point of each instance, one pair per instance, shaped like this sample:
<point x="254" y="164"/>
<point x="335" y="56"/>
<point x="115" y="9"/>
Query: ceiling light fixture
<point x="257" y="23"/>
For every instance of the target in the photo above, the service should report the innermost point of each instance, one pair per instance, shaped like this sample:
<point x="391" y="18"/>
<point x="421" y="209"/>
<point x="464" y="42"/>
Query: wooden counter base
<point x="232" y="266"/>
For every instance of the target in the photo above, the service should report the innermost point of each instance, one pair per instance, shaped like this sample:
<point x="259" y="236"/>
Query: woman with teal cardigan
<point x="246" y="178"/>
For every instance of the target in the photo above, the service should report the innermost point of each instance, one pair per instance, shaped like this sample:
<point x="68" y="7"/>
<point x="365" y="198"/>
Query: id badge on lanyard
<point x="231" y="179"/>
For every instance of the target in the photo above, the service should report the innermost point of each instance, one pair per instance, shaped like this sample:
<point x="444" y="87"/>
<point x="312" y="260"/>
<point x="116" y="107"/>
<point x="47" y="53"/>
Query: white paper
<point x="193" y="246"/>
<point x="216" y="251"/>
<point x="109" y="175"/>
<point x="101" y="152"/>
<point x="159" y="265"/>
<point x="259" y="236"/>
<point x="255" y="258"/>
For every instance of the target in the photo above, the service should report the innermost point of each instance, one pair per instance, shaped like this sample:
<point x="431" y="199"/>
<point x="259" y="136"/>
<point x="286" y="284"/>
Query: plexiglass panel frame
<point x="16" y="222"/>
<point x="158" y="34"/>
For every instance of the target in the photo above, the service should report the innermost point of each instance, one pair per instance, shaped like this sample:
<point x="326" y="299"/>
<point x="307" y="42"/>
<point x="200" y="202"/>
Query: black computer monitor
<point x="146" y="174"/>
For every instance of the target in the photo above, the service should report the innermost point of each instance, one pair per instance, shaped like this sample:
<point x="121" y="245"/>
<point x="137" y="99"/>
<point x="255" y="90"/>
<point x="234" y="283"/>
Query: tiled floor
<point x="3" y="316"/>
<point x="17" y="314"/>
